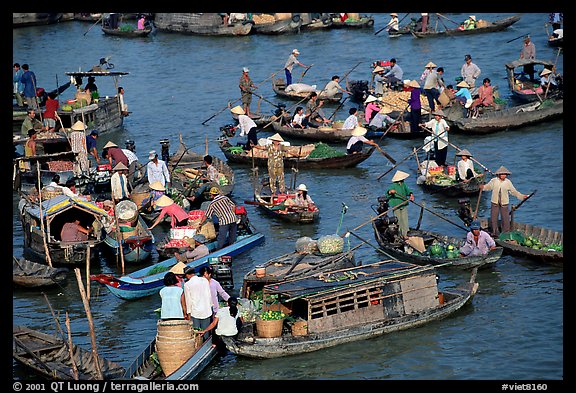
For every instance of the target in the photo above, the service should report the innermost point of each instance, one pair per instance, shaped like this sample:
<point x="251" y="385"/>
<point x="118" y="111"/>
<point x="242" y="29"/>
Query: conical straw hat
<point x="502" y="170"/>
<point x="78" y="126"/>
<point x="359" y="131"/>
<point x="399" y="175"/>
<point x="237" y="110"/>
<point x="110" y="144"/>
<point x="276" y="137"/>
<point x="164" y="201"/>
<point x="156" y="185"/>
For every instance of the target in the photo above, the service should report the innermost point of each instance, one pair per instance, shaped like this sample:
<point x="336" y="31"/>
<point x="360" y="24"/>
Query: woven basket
<point x="176" y="342"/>
<point x="277" y="307"/>
<point x="269" y="329"/>
<point x="138" y="197"/>
<point x="300" y="328"/>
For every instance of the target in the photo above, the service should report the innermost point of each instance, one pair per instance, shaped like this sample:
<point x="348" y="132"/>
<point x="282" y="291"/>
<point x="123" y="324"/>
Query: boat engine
<point x="165" y="143"/>
<point x="386" y="225"/>
<point x="102" y="177"/>
<point x="228" y="130"/>
<point x="465" y="211"/>
<point x="130" y="145"/>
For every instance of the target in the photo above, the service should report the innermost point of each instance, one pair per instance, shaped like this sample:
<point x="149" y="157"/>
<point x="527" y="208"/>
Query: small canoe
<point x="361" y="23"/>
<point x="30" y="274"/>
<point x="274" y="206"/>
<point x="521" y="88"/>
<point x="127" y="33"/>
<point x="320" y="24"/>
<point x="279" y="87"/>
<point x="488" y="27"/>
<point x="284" y="26"/>
<point x="48" y="355"/>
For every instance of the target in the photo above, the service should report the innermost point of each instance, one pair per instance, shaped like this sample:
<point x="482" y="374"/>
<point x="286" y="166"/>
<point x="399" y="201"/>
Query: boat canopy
<point x="60" y="203"/>
<point x="523" y="62"/>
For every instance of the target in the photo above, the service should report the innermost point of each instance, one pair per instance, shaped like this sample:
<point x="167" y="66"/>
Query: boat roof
<point x="60" y="203"/>
<point x="317" y="285"/>
<point x="522" y="62"/>
<point x="96" y="73"/>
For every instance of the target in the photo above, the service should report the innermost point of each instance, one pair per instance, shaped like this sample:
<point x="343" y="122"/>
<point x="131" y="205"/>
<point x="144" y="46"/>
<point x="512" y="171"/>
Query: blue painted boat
<point x="140" y="283"/>
<point x="135" y="248"/>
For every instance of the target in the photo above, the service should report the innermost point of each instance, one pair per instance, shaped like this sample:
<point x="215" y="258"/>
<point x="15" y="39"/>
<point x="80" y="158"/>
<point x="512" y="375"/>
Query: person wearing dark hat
<point x="469" y="71"/>
<point x="119" y="183"/>
<point x="246" y="87"/>
<point x="398" y="193"/>
<point x="478" y="242"/>
<point x="30" y="146"/>
<point x="439" y="130"/>
<point x="91" y="145"/>
<point x="501" y="188"/>
<point x="528" y="52"/>
<point x="225" y="211"/>
<point x="465" y="166"/>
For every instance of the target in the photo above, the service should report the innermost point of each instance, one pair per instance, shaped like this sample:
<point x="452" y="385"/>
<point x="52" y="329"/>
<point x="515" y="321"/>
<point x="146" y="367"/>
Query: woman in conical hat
<point x="357" y="140"/>
<point x="276" y="154"/>
<point x="179" y="216"/>
<point x="398" y="193"/>
<point x="465" y="166"/>
<point x="439" y="130"/>
<point x="501" y="188"/>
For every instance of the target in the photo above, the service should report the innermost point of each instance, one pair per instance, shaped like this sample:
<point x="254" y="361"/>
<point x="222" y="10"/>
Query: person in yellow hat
<point x="276" y="154"/>
<point x="246" y="87"/>
<point x="179" y="216"/>
<point x="398" y="193"/>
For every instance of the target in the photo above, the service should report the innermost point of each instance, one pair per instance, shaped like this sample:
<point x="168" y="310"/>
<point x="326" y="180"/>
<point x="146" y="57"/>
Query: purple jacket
<point x="414" y="99"/>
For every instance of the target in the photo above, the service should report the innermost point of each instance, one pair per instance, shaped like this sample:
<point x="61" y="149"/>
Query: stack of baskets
<point x="176" y="342"/>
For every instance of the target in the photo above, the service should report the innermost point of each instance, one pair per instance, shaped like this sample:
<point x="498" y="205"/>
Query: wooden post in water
<point x="90" y="323"/>
<point x="48" y="259"/>
<point x="71" y="348"/>
<point x="88" y="270"/>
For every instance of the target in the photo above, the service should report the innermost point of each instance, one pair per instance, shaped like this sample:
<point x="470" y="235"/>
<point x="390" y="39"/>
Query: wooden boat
<point x="353" y="304"/>
<point x="544" y="235"/>
<point x="137" y="245"/>
<point x="87" y="17"/>
<point x="291" y="266"/>
<point x="209" y="24"/>
<point x="435" y="180"/>
<point x="55" y="213"/>
<point x="279" y="87"/>
<point x="555" y="42"/>
<point x="488" y="27"/>
<point x="276" y="207"/>
<point x="149" y="280"/>
<point x="509" y="118"/>
<point x="283" y="26"/>
<point x="364" y="21"/>
<point x="104" y="115"/>
<point x="30" y="274"/>
<point x="519" y="84"/>
<point x="263" y="121"/>
<point x="261" y="157"/>
<point x="146" y="367"/>
<point x="48" y="355"/>
<point x="321" y="24"/>
<point x="128" y="33"/>
<point x="34" y="19"/>
<point x="322" y="134"/>
<point x="19" y="113"/>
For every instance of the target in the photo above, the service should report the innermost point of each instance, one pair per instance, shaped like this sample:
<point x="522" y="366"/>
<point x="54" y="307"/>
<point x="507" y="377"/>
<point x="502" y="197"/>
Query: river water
<point x="512" y="330"/>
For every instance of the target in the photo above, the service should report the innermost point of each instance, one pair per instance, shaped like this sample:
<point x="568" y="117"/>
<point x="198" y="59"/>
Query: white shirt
<point x="158" y="172"/>
<point x="198" y="297"/>
<point x="245" y="123"/>
<point x="463" y="167"/>
<point x="350" y="123"/>
<point x="355" y="139"/>
<point x="130" y="155"/>
<point x="438" y="128"/>
<point x="119" y="189"/>
<point x="65" y="190"/>
<point x="226" y="322"/>
<point x="298" y="119"/>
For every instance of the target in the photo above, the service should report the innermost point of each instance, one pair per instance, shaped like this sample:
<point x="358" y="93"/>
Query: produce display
<point x="127" y="27"/>
<point x="398" y="100"/>
<point x="533" y="242"/>
<point x="441" y="179"/>
<point x="271" y="315"/>
<point x="441" y="251"/>
<point x="330" y="244"/>
<point x="158" y="269"/>
<point x="306" y="245"/>
<point x="323" y="150"/>
<point x="60" y="166"/>
<point x="176" y="243"/>
<point x="263" y="18"/>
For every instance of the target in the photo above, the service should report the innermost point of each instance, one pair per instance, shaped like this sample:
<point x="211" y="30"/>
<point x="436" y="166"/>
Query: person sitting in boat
<point x="247" y="127"/>
<point x="141" y="22"/>
<point x="382" y="120"/>
<point x="465" y="170"/>
<point x="177" y="214"/>
<point x="469" y="23"/>
<point x="464" y="97"/>
<point x="548" y="77"/>
<point x="227" y="321"/>
<point x="393" y="27"/>
<point x="302" y="198"/>
<point x="173" y="299"/>
<point x="30" y="146"/>
<point x="74" y="232"/>
<point x="200" y="249"/>
<point x="55" y="183"/>
<point x="314" y="113"/>
<point x="478" y="242"/>
<point x="357" y="140"/>
<point x="351" y="121"/>
<point x="91" y="86"/>
<point x="379" y="80"/>
<point x="123" y="104"/>
<point x="333" y="87"/>
<point x="156" y="191"/>
<point x="485" y="97"/>
<point x="209" y="179"/>
<point x="371" y="107"/>
<point x="298" y="118"/>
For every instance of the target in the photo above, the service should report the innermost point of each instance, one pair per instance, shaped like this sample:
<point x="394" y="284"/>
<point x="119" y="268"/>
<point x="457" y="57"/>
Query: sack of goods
<point x="300" y="88"/>
<point x="208" y="230"/>
<point x="306" y="245"/>
<point x="331" y="244"/>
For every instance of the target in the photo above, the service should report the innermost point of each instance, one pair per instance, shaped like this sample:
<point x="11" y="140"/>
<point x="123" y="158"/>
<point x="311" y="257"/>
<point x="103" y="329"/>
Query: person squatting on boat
<point x="478" y="242"/>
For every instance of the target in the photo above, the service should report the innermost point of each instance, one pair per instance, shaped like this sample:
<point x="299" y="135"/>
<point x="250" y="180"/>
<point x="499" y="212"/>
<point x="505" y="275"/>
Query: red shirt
<point x="51" y="108"/>
<point x="118" y="156"/>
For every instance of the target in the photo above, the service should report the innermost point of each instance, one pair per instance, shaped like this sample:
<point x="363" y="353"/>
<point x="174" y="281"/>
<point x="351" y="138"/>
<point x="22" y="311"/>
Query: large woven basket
<point x="176" y="342"/>
<point x="268" y="329"/>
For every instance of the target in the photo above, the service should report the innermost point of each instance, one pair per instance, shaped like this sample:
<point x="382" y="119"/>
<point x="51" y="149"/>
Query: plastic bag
<point x="306" y="244"/>
<point x="249" y="309"/>
<point x="127" y="211"/>
<point x="331" y="244"/>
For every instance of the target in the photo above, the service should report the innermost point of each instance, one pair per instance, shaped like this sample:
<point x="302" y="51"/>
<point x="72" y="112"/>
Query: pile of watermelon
<point x="443" y="251"/>
<point x="529" y="241"/>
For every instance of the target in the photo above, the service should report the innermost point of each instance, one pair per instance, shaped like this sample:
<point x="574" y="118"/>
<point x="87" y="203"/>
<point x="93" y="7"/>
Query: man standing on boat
<point x="18" y="86"/>
<point x="292" y="60"/>
<point x="469" y="71"/>
<point x="399" y="193"/>
<point x="225" y="211"/>
<point x="114" y="154"/>
<point x="157" y="170"/>
<point x="28" y="79"/>
<point x="528" y="52"/>
<point x="246" y="86"/>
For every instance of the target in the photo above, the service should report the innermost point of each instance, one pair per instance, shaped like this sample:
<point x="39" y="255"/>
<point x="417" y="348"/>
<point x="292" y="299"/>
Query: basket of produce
<point x="269" y="324"/>
<point x="330" y="244"/>
<point x="306" y="245"/>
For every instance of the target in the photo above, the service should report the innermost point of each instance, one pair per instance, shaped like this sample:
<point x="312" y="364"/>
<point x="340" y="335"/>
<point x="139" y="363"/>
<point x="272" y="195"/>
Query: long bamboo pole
<point x="90" y="324"/>
<point x="88" y="270"/>
<point x="71" y="348"/>
<point x="118" y="234"/>
<point x="42" y="228"/>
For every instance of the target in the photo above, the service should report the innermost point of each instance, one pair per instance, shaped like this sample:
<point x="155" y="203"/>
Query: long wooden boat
<point x="489" y="27"/>
<point x="322" y="24"/>
<point x="347" y="305"/>
<point x="149" y="280"/>
<point x="145" y="365"/>
<point x="209" y="24"/>
<point x="261" y="158"/>
<point x="48" y="355"/>
<point x="388" y="240"/>
<point x="521" y="88"/>
<point x="274" y="206"/>
<point x="35" y="19"/>
<point x="127" y="33"/>
<point x="30" y="274"/>
<point x="55" y="213"/>
<point x="544" y="235"/>
<point x="137" y="247"/>
<point x="263" y="121"/>
<point x="365" y="21"/>
<point x="510" y="118"/>
<point x="279" y="87"/>
<point x="444" y="181"/>
<point x="323" y="134"/>
<point x="291" y="266"/>
<point x="285" y="26"/>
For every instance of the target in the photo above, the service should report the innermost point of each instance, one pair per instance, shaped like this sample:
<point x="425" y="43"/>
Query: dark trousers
<point x="502" y="211"/>
<point x="415" y="119"/>
<point x="355" y="148"/>
<point x="529" y="70"/>
<point x="252" y="138"/>
<point x="432" y="95"/>
<point x="288" y="76"/>
<point x="226" y="231"/>
<point x="440" y="155"/>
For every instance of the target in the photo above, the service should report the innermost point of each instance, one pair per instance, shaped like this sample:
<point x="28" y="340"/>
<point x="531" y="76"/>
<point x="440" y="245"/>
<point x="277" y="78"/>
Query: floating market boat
<point x="519" y="83"/>
<point x="322" y="23"/>
<point x="443" y="180"/>
<point x="357" y="22"/>
<point x="279" y="87"/>
<point x="323" y="134"/>
<point x="122" y="32"/>
<point x="341" y="306"/>
<point x="30" y="274"/>
<point x="275" y="27"/>
<point x="200" y="24"/>
<point x="137" y="243"/>
<point x="49" y="356"/>
<point x="482" y="26"/>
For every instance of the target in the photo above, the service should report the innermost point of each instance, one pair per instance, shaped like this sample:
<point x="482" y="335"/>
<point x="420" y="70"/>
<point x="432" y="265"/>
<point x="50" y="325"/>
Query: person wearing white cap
<point x="156" y="170"/>
<point x="302" y="198"/>
<point x="501" y="188"/>
<point x="469" y="23"/>
<point x="119" y="183"/>
<point x="439" y="130"/>
<point x="392" y="27"/>
<point x="292" y="60"/>
<point x="246" y="87"/>
<point x="398" y="193"/>
<point x="357" y="140"/>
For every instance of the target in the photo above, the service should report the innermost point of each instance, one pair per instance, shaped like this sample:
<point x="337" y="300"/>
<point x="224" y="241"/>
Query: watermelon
<point x="436" y="249"/>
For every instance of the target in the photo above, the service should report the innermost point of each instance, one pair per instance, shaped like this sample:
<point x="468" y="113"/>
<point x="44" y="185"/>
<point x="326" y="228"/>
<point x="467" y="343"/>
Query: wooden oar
<point x="514" y="208"/>
<point x="221" y="110"/>
<point x="438" y="215"/>
<point x="304" y="72"/>
<point x="268" y="101"/>
<point x="478" y="203"/>
<point x="99" y="19"/>
<point x="550" y="78"/>
<point x="259" y="203"/>
<point x="514" y="39"/>
<point x="388" y="156"/>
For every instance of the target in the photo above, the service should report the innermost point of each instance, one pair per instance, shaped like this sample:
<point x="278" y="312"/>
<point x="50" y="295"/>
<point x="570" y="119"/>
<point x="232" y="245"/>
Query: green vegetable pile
<point x="271" y="315"/>
<point x="498" y="100"/>
<point x="126" y="27"/>
<point x="530" y="241"/>
<point x="322" y="150"/>
<point x="440" y="250"/>
<point x="157" y="269"/>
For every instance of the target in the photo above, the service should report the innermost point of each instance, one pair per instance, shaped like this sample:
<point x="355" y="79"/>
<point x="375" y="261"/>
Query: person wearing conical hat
<point x="148" y="204"/>
<point x="427" y="69"/>
<point x="485" y="97"/>
<point x="469" y="23"/>
<point x="379" y="80"/>
<point x="433" y="85"/>
<point x="371" y="108"/>
<point x="119" y="183"/>
<point x="178" y="216"/>
<point x="397" y="193"/>
<point x="357" y="140"/>
<point x="415" y="115"/>
<point x="246" y="87"/>
<point x="247" y="127"/>
<point x="156" y="170"/>
<point x="547" y="77"/>
<point x="438" y="129"/>
<point x="393" y="25"/>
<point x="465" y="166"/>
<point x="114" y="154"/>
<point x="276" y="154"/>
<point x="501" y="188"/>
<point x="464" y="97"/>
<point x="382" y="120"/>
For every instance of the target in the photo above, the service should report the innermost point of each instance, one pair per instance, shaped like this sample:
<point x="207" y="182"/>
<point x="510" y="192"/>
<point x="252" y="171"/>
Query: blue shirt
<point x="17" y="76"/>
<point x="90" y="143"/>
<point x="28" y="79"/>
<point x="171" y="302"/>
<point x="464" y="92"/>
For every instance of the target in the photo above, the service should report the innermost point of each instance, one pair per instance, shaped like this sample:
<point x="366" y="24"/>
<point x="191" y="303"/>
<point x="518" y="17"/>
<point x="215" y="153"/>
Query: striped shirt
<point x="224" y="209"/>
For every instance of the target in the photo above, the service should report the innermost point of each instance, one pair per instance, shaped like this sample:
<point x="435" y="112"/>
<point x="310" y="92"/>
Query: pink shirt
<point x="371" y="107"/>
<point x="175" y="212"/>
<point x="141" y="24"/>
